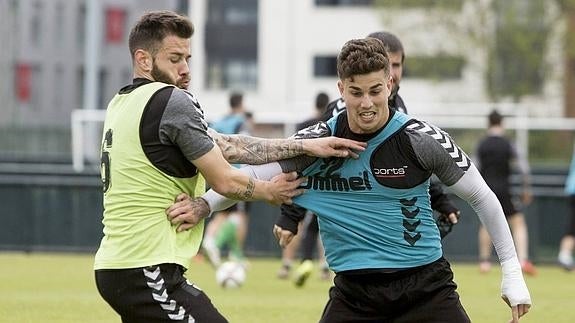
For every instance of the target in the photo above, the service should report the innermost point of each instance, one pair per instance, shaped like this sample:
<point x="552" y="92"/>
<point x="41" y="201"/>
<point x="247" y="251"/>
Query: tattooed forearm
<point x="201" y="207"/>
<point x="244" y="195"/>
<point x="252" y="150"/>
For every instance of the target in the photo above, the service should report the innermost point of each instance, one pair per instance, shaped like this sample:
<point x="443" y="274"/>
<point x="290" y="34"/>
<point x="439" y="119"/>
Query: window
<point x="233" y="11"/>
<point x="232" y="73"/>
<point x="430" y="4"/>
<point x="102" y="81"/>
<point x="231" y="44"/>
<point x="36" y="89"/>
<point x="434" y="67"/>
<point x="36" y="31"/>
<point x="241" y="74"/>
<point x="325" y="66"/>
<point x="182" y="7"/>
<point x="58" y="103"/>
<point x="344" y="2"/>
<point x="59" y="25"/>
<point x="81" y="26"/>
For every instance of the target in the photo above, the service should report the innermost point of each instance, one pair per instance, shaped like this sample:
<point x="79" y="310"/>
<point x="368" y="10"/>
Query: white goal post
<point x="86" y="132"/>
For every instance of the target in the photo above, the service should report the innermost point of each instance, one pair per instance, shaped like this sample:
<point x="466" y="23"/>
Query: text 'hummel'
<point x="337" y="183"/>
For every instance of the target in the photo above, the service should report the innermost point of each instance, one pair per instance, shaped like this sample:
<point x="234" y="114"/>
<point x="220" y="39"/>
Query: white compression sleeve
<point x="264" y="172"/>
<point x="472" y="188"/>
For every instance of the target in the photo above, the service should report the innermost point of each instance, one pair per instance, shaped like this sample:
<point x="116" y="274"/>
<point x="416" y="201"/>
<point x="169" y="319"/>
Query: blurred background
<point x="61" y="61"/>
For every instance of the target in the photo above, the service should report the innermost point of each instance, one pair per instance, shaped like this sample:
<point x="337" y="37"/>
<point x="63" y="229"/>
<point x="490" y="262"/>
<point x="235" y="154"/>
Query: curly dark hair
<point x="153" y="27"/>
<point x="362" y="56"/>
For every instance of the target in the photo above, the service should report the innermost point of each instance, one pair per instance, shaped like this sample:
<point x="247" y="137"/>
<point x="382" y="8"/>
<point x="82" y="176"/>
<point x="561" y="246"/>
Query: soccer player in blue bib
<point x="374" y="213"/>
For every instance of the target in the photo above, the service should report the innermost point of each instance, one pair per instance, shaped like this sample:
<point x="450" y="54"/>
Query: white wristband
<point x="217" y="202"/>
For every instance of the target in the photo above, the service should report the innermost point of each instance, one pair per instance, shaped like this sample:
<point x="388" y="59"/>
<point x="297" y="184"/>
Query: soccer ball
<point x="231" y="274"/>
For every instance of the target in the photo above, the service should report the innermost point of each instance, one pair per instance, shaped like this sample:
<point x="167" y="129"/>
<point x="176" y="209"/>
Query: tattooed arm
<point x="234" y="184"/>
<point x="243" y="149"/>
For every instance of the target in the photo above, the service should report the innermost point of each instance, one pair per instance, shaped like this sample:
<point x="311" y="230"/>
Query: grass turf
<point x="46" y="287"/>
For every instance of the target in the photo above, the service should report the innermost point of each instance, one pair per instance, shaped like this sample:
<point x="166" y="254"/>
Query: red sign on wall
<point x="23" y="82"/>
<point x="115" y="23"/>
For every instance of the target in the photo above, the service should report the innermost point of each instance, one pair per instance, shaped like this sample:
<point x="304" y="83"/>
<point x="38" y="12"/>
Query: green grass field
<point x="60" y="288"/>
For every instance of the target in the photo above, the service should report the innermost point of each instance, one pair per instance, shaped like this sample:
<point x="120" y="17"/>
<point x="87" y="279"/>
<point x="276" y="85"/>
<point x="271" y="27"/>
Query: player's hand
<point x="514" y="290"/>
<point x="518" y="311"/>
<point x="333" y="147"/>
<point x="445" y="223"/>
<point x="186" y="212"/>
<point x="283" y="236"/>
<point x="282" y="188"/>
<point x="453" y="217"/>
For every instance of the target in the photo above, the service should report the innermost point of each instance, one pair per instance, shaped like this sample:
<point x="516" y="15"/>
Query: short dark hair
<point x="236" y="99"/>
<point x="362" y="56"/>
<point x="321" y="100"/>
<point x="390" y="41"/>
<point x="495" y="118"/>
<point x="153" y="27"/>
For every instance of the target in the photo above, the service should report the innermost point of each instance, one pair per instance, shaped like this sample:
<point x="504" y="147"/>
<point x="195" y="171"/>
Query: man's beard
<point x="160" y="76"/>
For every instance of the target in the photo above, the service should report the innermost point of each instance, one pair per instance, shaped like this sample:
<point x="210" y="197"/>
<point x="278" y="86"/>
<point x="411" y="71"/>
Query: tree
<point x="513" y="32"/>
<point x="516" y="64"/>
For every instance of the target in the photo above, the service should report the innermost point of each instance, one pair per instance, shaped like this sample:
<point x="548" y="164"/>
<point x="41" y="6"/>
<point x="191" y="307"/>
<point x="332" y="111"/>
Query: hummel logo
<point x="337" y="183"/>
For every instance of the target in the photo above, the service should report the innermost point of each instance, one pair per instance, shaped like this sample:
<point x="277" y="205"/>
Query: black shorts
<point x="155" y="294"/>
<point x="422" y="294"/>
<point x="506" y="200"/>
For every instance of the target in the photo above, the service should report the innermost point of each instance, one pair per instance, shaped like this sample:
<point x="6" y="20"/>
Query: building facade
<point x="280" y="53"/>
<point x="298" y="41"/>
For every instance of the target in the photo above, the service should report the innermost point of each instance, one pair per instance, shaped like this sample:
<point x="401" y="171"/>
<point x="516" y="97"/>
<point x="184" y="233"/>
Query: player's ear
<point x="340" y="87"/>
<point x="143" y="60"/>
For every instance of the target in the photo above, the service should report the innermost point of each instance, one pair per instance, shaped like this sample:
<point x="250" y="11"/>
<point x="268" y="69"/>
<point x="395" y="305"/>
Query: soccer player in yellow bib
<point x="156" y="144"/>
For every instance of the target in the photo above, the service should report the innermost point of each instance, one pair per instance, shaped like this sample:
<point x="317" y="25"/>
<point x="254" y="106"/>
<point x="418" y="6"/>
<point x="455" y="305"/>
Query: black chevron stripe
<point x="410" y="202"/>
<point x="411" y="226"/>
<point x="161" y="293"/>
<point x="409" y="214"/>
<point x="419" y="126"/>
<point x="461" y="156"/>
<point x="411" y="240"/>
